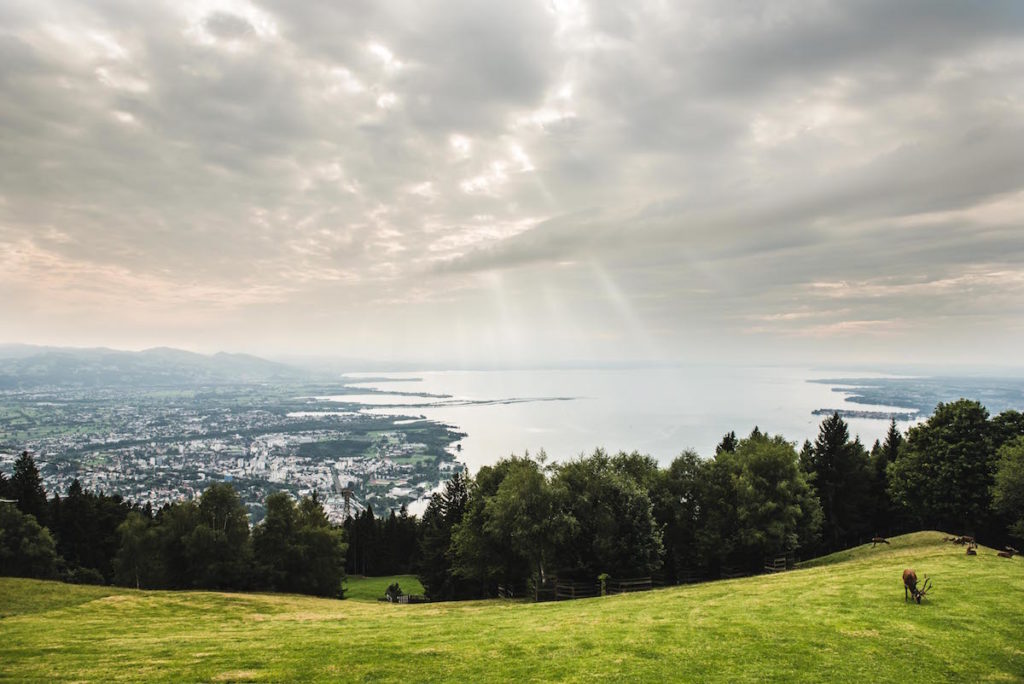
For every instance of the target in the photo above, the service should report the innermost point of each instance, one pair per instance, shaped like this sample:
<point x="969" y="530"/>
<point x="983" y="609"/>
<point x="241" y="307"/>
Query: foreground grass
<point x="843" y="621"/>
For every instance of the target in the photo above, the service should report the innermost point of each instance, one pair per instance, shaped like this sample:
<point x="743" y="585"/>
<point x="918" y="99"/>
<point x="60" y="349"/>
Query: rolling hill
<point x="844" y="619"/>
<point x="27" y="367"/>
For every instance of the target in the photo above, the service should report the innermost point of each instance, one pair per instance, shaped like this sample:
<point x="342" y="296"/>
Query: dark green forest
<point x="523" y="521"/>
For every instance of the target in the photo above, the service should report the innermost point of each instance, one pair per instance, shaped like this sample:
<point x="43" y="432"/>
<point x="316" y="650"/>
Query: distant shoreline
<point x="899" y="416"/>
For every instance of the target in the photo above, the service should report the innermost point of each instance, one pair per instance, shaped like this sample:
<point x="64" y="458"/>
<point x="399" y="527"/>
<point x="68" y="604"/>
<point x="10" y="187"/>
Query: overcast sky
<point x="516" y="182"/>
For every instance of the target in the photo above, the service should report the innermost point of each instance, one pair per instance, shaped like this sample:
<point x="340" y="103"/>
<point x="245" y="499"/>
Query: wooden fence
<point x="624" y="586"/>
<point x="574" y="590"/>
<point x="566" y="590"/>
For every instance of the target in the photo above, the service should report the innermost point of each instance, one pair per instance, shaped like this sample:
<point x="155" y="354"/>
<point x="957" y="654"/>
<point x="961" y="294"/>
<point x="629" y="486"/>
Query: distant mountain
<point x="26" y="366"/>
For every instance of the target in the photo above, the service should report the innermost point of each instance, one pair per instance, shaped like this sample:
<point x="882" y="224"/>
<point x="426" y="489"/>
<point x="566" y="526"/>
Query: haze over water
<point x="657" y="411"/>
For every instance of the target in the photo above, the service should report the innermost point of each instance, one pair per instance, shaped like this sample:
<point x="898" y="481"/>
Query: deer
<point x="910" y="586"/>
<point x="1008" y="553"/>
<point x="878" y="540"/>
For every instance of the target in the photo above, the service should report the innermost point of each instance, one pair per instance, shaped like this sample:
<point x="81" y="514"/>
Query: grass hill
<point x="844" y="619"/>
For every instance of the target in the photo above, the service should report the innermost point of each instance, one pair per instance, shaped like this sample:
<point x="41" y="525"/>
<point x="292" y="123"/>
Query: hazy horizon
<point x="360" y="365"/>
<point x="466" y="184"/>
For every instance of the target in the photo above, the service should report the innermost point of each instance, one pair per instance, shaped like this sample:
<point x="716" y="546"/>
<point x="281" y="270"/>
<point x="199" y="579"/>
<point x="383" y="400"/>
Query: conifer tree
<point x="728" y="443"/>
<point x="27" y="487"/>
<point x="842" y="479"/>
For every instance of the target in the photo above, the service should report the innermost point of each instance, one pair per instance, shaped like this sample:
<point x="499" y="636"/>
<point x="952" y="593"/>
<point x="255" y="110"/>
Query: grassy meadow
<point x="843" y="619"/>
<point x="361" y="588"/>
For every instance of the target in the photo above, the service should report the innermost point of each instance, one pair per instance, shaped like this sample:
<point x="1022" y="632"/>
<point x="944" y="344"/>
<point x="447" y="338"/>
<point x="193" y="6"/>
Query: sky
<point x="506" y="183"/>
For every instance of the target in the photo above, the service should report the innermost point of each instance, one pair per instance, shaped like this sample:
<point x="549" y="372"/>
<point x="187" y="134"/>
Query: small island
<point x="901" y="416"/>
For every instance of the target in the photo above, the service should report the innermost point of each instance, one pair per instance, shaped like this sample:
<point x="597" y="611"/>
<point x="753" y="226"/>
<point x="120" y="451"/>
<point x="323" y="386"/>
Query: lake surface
<point x="659" y="412"/>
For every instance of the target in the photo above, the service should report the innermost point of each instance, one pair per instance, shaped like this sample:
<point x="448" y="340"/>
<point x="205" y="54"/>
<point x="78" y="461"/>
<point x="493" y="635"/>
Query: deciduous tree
<point x="1008" y="485"/>
<point x="943" y="475"/>
<point x="26" y="548"/>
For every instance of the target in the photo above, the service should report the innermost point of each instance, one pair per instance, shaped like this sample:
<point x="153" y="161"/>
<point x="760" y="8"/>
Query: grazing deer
<point x="878" y="540"/>
<point x="910" y="585"/>
<point x="960" y="540"/>
<point x="1008" y="553"/>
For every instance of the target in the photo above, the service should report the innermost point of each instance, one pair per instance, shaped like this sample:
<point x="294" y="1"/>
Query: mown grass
<point x="896" y="545"/>
<point x="359" y="588"/>
<point x="842" y="621"/>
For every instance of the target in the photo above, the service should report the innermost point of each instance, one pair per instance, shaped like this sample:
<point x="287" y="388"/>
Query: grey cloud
<point x="465" y="60"/>
<point x="706" y="165"/>
<point x="226" y="25"/>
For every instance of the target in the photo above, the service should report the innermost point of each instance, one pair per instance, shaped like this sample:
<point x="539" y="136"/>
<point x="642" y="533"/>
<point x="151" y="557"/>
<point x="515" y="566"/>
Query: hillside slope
<point x="843" y="621"/>
<point x="24" y="367"/>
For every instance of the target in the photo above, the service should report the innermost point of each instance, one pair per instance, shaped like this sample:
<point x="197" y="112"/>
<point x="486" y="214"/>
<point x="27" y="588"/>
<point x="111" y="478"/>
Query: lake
<point x="657" y="411"/>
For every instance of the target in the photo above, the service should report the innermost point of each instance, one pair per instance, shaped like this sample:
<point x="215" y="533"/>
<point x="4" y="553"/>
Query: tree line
<point x="97" y="538"/>
<point x="523" y="521"/>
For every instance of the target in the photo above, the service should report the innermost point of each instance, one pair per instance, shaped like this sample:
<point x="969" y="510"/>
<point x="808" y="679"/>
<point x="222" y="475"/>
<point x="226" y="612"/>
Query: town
<point x="162" y="445"/>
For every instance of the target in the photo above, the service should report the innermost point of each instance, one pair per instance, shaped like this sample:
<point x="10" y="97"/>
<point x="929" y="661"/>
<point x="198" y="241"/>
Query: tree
<point x="406" y="542"/>
<point x="27" y="487"/>
<point x="609" y="524"/>
<point x="483" y="554"/>
<point x="6" y="490"/>
<point x="218" y="548"/>
<point x="272" y="543"/>
<point x="320" y="549"/>
<point x="677" y="510"/>
<point x="807" y="459"/>
<point x="85" y="526"/>
<point x="444" y="512"/>
<point x="842" y="479"/>
<point x="174" y="524"/>
<point x="757" y="503"/>
<point x="1008" y="485"/>
<point x="364" y="544"/>
<point x="26" y="548"/>
<point x="137" y="562"/>
<point x="728" y="443"/>
<point x="1006" y="427"/>
<point x="297" y="549"/>
<point x="887" y="516"/>
<point x="524" y="512"/>
<point x="943" y="475"/>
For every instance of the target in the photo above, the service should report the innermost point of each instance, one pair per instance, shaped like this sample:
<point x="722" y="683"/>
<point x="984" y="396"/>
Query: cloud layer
<point x="480" y="182"/>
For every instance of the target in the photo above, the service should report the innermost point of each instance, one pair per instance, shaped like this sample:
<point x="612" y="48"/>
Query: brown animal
<point x="961" y="540"/>
<point x="910" y="586"/>
<point x="878" y="540"/>
<point x="1008" y="553"/>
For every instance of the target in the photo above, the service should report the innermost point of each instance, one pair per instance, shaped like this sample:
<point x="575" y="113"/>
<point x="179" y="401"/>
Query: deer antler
<point x="926" y="586"/>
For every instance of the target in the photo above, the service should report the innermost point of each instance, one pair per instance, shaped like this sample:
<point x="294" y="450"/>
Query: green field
<point x="372" y="588"/>
<point x="841" y="621"/>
